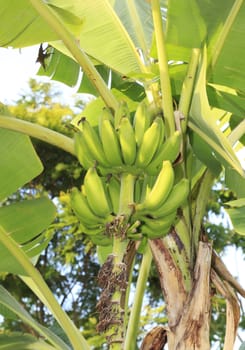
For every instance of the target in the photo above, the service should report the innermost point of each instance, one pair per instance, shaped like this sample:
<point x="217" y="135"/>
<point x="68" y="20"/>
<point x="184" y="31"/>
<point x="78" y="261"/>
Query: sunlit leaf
<point x="203" y="122"/>
<point x="25" y="222"/>
<point x="18" y="160"/>
<point x="237" y="217"/>
<point x="15" y="308"/>
<point x="22" y="341"/>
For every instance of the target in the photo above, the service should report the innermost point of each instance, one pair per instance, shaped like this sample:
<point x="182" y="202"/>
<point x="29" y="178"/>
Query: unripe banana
<point x="175" y="199"/>
<point x="121" y="112"/>
<point x="110" y="143"/>
<point x="149" y="143"/>
<point x="93" y="143"/>
<point x="105" y="115"/>
<point x="113" y="186"/>
<point x="92" y="230"/>
<point x="156" y="228"/>
<point x="160" y="191"/>
<point x="101" y="240"/>
<point x="84" y="156"/>
<point x="127" y="141"/>
<point x="169" y="150"/>
<point x="147" y="186"/>
<point x="141" y="122"/>
<point x="138" y="190"/>
<point x="82" y="210"/>
<point x="95" y="192"/>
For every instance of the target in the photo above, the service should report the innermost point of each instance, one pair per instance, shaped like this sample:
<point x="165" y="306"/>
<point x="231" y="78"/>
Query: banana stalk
<point x="113" y="273"/>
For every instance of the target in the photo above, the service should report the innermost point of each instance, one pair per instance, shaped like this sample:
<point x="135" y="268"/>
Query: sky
<point x="18" y="66"/>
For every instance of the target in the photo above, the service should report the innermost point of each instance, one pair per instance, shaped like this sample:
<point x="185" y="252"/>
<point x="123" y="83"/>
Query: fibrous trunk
<point x="188" y="311"/>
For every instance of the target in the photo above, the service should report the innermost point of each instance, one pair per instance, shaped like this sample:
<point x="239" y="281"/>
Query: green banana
<point x="149" y="143"/>
<point x="169" y="150"/>
<point x="175" y="199"/>
<point x="101" y="240"/>
<point x="110" y="143"/>
<point x="160" y="190"/>
<point x="92" y="230"/>
<point x="156" y="228"/>
<point x="148" y="183"/>
<point x="141" y="122"/>
<point x="127" y="141"/>
<point x="83" y="154"/>
<point x="138" y="189"/>
<point x="121" y="112"/>
<point x="105" y="115"/>
<point x="95" y="192"/>
<point x="93" y="142"/>
<point x="82" y="210"/>
<point x="113" y="187"/>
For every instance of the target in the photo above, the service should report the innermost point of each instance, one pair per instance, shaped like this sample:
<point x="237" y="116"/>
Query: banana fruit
<point x="160" y="191"/>
<point x="95" y="193"/>
<point x="176" y="198"/>
<point x="93" y="143"/>
<point x="157" y="228"/>
<point x="110" y="143"/>
<point x="169" y="150"/>
<point x="127" y="141"/>
<point x="149" y="143"/>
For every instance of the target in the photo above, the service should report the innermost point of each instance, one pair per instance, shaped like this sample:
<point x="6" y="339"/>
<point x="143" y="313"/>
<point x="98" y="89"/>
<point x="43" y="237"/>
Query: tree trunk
<point x="188" y="311"/>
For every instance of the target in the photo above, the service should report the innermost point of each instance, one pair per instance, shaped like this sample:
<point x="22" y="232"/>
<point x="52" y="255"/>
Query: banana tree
<point x="166" y="121"/>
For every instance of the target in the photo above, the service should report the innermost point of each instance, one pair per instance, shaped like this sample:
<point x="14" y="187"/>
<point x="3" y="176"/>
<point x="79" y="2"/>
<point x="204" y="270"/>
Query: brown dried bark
<point x="188" y="312"/>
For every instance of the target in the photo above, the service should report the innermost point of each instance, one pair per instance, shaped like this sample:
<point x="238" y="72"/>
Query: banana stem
<point x="167" y="102"/>
<point x="126" y="193"/>
<point x="187" y="88"/>
<point x="40" y="132"/>
<point x="70" y="42"/>
<point x="40" y="288"/>
<point x="133" y="324"/>
<point x="200" y="206"/>
<point x="116" y="331"/>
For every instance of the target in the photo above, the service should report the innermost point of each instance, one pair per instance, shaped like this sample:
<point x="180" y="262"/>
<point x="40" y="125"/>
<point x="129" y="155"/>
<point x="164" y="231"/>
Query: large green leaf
<point x="25" y="222"/>
<point x="203" y="121"/>
<point x="221" y="26"/>
<point x="136" y="16"/>
<point x="226" y="101"/>
<point x="22" y="341"/>
<point x="186" y="29"/>
<point x="11" y="304"/>
<point x="236" y="212"/>
<point x="21" y="25"/>
<point x="18" y="160"/>
<point x="101" y="36"/>
<point x="228" y="68"/>
<point x="61" y="68"/>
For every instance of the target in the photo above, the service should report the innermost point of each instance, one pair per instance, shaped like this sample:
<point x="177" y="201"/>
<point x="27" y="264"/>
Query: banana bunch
<point x="124" y="144"/>
<point x="160" y="199"/>
<point x="156" y="200"/>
